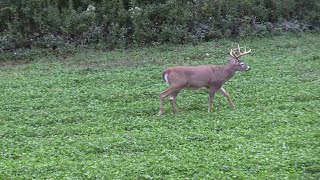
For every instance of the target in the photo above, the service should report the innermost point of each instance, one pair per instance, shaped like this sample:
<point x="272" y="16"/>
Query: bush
<point x="121" y="23"/>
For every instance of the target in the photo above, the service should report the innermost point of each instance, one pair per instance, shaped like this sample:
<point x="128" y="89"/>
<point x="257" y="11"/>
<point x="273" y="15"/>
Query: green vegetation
<point x="110" y="24"/>
<point x="94" y="115"/>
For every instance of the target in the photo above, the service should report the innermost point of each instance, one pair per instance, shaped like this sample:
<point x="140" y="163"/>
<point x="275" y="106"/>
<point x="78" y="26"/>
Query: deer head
<point x="234" y="60"/>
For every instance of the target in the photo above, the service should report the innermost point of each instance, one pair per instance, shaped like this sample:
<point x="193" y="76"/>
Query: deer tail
<point x="165" y="75"/>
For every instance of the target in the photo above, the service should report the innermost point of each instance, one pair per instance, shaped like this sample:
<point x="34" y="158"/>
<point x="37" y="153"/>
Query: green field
<point x="94" y="115"/>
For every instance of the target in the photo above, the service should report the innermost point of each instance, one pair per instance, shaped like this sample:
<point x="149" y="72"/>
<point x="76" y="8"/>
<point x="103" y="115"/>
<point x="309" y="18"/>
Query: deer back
<point x="197" y="76"/>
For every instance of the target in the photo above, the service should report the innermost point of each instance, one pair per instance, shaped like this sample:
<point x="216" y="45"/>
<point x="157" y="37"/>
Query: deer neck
<point x="230" y="70"/>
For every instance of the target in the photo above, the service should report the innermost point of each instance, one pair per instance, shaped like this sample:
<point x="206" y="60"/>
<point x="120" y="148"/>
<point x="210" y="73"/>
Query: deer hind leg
<point x="211" y="98"/>
<point x="173" y="101"/>
<point x="163" y="95"/>
<point x="226" y="94"/>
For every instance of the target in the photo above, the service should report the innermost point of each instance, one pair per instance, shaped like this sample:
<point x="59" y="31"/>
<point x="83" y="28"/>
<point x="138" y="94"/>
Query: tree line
<point x="124" y="23"/>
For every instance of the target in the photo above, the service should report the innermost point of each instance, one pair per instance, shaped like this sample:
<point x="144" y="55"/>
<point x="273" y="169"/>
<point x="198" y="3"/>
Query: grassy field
<point x="94" y="115"/>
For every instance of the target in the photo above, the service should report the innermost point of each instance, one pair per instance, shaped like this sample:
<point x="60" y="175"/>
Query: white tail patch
<point x="165" y="77"/>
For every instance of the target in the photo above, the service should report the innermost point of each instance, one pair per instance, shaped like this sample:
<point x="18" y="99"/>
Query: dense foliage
<point x="121" y="23"/>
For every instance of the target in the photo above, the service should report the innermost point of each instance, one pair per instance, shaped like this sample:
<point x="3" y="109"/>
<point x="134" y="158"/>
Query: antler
<point x="236" y="53"/>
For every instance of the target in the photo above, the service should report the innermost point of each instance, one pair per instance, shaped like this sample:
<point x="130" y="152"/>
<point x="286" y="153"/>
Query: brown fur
<point x="209" y="76"/>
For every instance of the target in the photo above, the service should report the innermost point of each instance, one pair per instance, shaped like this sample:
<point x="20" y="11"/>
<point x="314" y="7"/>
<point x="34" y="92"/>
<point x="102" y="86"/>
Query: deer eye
<point x="241" y="64"/>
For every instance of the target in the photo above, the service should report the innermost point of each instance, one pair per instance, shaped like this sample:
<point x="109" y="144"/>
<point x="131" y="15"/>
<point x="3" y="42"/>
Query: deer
<point x="211" y="77"/>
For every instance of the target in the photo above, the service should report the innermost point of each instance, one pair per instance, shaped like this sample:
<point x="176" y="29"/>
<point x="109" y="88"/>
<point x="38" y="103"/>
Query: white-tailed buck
<point x="210" y="76"/>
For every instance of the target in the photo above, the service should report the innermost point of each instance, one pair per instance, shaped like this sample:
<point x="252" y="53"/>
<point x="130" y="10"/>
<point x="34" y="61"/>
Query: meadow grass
<point x="94" y="115"/>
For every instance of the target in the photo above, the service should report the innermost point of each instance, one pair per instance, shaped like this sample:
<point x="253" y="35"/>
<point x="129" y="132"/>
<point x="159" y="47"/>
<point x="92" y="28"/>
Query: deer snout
<point x="248" y="68"/>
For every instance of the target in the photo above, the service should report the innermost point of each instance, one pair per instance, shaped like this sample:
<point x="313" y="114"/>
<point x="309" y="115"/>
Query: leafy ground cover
<point x="94" y="115"/>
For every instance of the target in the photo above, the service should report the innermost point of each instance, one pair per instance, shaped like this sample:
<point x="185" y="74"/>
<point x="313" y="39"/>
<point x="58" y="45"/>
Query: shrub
<point x="121" y="23"/>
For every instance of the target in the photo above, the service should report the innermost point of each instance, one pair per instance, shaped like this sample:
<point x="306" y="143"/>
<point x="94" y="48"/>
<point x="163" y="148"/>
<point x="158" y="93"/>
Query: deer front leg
<point x="226" y="94"/>
<point x="211" y="98"/>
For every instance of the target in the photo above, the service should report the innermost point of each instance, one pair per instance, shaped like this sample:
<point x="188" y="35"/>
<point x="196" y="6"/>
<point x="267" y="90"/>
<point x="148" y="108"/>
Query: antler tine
<point x="236" y="52"/>
<point x="236" y="49"/>
<point x="232" y="53"/>
<point x="245" y="52"/>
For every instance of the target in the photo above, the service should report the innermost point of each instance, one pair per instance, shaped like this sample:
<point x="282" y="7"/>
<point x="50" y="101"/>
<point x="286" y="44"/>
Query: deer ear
<point x="233" y="60"/>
